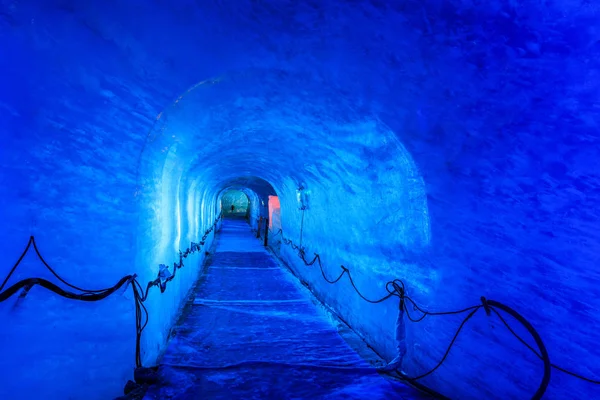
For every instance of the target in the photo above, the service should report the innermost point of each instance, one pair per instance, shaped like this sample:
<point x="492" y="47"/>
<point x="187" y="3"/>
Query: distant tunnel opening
<point x="251" y="198"/>
<point x="235" y="203"/>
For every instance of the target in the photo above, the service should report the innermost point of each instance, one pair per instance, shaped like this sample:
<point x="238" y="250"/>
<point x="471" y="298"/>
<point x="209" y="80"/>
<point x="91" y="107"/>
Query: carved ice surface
<point x="452" y="144"/>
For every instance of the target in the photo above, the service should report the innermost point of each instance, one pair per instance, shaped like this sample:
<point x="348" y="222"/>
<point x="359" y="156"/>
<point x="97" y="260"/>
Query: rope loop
<point x="394" y="288"/>
<point x="164" y="276"/>
<point x="397" y="288"/>
<point x="486" y="306"/>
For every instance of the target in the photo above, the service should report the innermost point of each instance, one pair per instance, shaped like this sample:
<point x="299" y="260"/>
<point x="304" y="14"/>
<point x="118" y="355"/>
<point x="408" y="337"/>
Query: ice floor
<point x="251" y="332"/>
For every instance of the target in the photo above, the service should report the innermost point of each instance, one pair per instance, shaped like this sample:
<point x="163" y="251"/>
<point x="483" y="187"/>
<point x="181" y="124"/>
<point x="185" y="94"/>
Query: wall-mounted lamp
<point x="302" y="194"/>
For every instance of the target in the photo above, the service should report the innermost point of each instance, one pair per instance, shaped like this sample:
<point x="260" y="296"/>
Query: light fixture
<point x="302" y="195"/>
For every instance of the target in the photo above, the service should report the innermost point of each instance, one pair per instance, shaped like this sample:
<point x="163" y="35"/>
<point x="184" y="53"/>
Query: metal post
<point x="266" y="231"/>
<point x="258" y="227"/>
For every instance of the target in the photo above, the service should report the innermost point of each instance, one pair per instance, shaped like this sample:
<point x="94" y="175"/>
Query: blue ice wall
<point x="451" y="144"/>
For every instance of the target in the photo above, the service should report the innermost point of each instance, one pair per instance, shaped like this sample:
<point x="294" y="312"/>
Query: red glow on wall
<point x="273" y="205"/>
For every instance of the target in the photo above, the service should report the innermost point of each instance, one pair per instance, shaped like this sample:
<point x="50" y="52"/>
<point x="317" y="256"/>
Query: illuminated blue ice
<point x="452" y="144"/>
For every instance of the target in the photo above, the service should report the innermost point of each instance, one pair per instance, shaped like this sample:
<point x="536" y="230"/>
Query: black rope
<point x="538" y="340"/>
<point x="396" y="288"/>
<point x="439" y="364"/>
<point x="279" y="232"/>
<point x="540" y="356"/>
<point x="345" y="270"/>
<point x="86" y="296"/>
<point x="17" y="263"/>
<point x="490" y="305"/>
<point x="140" y="295"/>
<point x="30" y="243"/>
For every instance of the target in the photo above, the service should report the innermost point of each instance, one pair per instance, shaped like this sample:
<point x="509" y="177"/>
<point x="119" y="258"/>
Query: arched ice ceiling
<point x="288" y="130"/>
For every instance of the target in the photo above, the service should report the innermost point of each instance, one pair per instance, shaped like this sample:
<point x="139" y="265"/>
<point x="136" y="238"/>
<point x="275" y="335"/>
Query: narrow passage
<point x="251" y="332"/>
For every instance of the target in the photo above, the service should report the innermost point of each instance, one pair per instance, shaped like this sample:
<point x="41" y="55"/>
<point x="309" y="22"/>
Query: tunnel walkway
<point x="249" y="331"/>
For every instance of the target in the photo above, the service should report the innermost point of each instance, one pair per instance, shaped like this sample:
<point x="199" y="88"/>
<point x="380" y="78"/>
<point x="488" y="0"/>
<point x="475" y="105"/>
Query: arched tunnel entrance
<point x="297" y="200"/>
<point x="253" y="198"/>
<point x="235" y="203"/>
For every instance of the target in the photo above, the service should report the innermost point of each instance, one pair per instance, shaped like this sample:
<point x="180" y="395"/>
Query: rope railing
<point x="161" y="282"/>
<point x="77" y="293"/>
<point x="396" y="288"/>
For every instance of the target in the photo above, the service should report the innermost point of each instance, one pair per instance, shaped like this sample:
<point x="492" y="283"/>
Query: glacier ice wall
<point x="451" y="144"/>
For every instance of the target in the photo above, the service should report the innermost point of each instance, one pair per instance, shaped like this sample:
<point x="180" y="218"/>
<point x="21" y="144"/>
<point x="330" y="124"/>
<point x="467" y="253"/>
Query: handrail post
<point x="266" y="231"/>
<point x="258" y="227"/>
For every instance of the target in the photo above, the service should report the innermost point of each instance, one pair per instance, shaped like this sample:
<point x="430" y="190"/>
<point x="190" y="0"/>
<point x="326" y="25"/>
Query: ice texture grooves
<point x="249" y="332"/>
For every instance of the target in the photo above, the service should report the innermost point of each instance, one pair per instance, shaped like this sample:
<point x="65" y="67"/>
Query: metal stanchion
<point x="258" y="227"/>
<point x="266" y="231"/>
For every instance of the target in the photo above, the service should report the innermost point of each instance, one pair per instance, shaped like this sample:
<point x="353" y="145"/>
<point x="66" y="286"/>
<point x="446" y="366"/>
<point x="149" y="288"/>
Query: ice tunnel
<point x="414" y="192"/>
